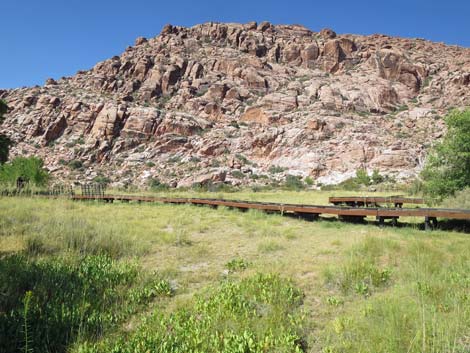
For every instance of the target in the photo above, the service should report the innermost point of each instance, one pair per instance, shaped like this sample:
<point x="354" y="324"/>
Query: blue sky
<point x="55" y="38"/>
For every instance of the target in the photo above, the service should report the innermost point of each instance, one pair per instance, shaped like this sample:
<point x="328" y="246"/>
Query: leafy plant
<point x="362" y="177"/>
<point x="236" y="265"/>
<point x="294" y="183"/>
<point x="156" y="185"/>
<point x="30" y="169"/>
<point x="274" y="169"/>
<point x="49" y="304"/>
<point x="237" y="174"/>
<point x="309" y="181"/>
<point x="75" y="164"/>
<point x="258" y="314"/>
<point x="448" y="165"/>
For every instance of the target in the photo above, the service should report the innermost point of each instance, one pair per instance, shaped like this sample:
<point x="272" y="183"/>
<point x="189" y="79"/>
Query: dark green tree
<point x="30" y="169"/>
<point x="447" y="168"/>
<point x="5" y="142"/>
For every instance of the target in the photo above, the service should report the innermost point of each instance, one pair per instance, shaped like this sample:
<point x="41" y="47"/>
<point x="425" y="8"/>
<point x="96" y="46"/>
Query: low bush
<point x="47" y="305"/>
<point x="294" y="183"/>
<point x="237" y="174"/>
<point x="274" y="169"/>
<point x="236" y="265"/>
<point x="258" y="314"/>
<point x="75" y="164"/>
<point x="156" y="185"/>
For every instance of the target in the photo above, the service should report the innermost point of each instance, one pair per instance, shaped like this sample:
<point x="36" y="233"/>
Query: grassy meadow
<point x="92" y="277"/>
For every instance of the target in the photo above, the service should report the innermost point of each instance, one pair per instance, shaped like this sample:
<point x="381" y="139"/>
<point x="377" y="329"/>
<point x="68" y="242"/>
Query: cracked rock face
<point x="226" y="102"/>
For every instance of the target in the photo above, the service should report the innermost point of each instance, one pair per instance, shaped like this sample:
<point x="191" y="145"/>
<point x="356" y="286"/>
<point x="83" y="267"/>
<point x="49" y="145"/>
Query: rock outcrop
<point x="237" y="103"/>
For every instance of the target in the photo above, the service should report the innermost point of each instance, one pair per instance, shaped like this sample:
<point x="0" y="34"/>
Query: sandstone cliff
<point x="227" y="102"/>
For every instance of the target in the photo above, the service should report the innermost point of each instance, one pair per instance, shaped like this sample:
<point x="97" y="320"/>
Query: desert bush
<point x="237" y="264"/>
<point x="257" y="314"/>
<point x="48" y="304"/>
<point x="156" y="185"/>
<point x="362" y="177"/>
<point x="238" y="174"/>
<point x="294" y="183"/>
<point x="361" y="180"/>
<point x="309" y="181"/>
<point x="75" y="164"/>
<point x="274" y="169"/>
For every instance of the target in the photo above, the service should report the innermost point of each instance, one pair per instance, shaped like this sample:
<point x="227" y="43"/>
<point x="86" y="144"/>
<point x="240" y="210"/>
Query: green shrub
<point x="237" y="174"/>
<point x="258" y="314"/>
<point x="156" y="185"/>
<point x="309" y="181"/>
<point x="75" y="164"/>
<point x="236" y="265"/>
<point x="274" y="169"/>
<point x="46" y="305"/>
<point x="294" y="183"/>
<point x="101" y="179"/>
<point x="31" y="169"/>
<point x="362" y="177"/>
<point x="242" y="158"/>
<point x="448" y="165"/>
<point x="376" y="177"/>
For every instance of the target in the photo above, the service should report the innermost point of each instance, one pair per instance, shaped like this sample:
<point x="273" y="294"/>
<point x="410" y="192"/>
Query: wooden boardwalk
<point x="371" y="201"/>
<point x="430" y="215"/>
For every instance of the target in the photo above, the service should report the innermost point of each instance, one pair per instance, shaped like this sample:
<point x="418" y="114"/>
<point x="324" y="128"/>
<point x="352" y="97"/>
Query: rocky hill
<point x="244" y="103"/>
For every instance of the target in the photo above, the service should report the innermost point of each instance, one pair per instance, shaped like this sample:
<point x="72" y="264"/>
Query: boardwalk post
<point x="430" y="223"/>
<point x="381" y="220"/>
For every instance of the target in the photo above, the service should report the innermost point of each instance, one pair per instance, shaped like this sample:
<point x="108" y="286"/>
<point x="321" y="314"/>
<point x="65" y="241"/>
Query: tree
<point x="447" y="168"/>
<point x="5" y="142"/>
<point x="29" y="169"/>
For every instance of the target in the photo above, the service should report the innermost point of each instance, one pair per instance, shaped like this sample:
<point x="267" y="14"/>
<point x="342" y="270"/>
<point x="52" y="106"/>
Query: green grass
<point x="220" y="280"/>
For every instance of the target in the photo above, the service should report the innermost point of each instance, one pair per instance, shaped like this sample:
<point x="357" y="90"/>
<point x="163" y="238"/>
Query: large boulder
<point x="336" y="51"/>
<point x="256" y="115"/>
<point x="106" y="122"/>
<point x="55" y="129"/>
<point x="392" y="65"/>
<point x="141" y="122"/>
